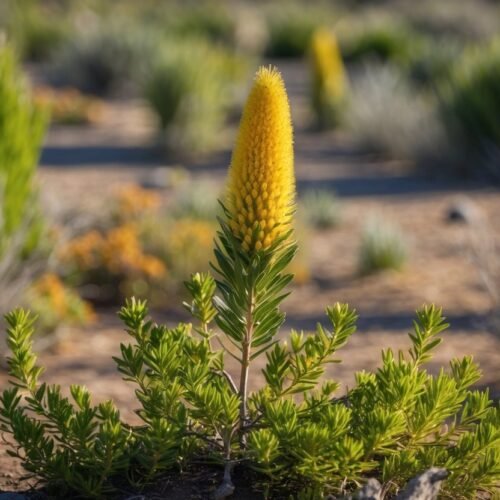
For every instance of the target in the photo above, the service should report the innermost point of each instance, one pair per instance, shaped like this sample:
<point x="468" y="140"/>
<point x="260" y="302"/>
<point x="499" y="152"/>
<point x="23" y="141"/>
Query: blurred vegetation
<point x="383" y="247"/>
<point x="56" y="304"/>
<point x="329" y="80"/>
<point x="471" y="104"/>
<point x="190" y="88"/>
<point x="22" y="127"/>
<point x="320" y="209"/>
<point x="290" y="28"/>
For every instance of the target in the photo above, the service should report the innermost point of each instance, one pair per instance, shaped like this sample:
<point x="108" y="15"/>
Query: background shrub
<point x="105" y="57"/>
<point x="320" y="209"/>
<point x="386" y="114"/>
<point x="290" y="29"/>
<point x="34" y="29"/>
<point x="471" y="104"/>
<point x="382" y="247"/>
<point x="381" y="43"/>
<point x="189" y="88"/>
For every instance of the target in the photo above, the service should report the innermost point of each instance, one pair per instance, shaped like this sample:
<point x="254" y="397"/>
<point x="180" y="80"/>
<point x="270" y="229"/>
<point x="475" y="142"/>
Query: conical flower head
<point x="261" y="186"/>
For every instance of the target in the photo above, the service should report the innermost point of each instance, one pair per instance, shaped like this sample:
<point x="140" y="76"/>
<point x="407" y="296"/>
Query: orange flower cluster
<point x="132" y="200"/>
<point x="68" y="106"/>
<point x="64" y="303"/>
<point x="119" y="251"/>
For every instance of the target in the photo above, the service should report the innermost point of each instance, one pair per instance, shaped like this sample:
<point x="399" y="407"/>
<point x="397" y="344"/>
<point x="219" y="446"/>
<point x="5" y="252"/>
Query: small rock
<point x="372" y="490"/>
<point x="424" y="487"/>
<point x="463" y="210"/>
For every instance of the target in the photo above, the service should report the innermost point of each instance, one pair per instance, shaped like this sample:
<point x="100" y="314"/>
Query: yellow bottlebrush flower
<point x="328" y="78"/>
<point x="261" y="186"/>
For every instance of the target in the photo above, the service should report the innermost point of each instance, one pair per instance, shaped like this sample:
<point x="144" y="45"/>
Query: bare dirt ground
<point x="81" y="166"/>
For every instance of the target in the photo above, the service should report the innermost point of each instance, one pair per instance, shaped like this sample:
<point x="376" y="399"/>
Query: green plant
<point x="471" y="102"/>
<point x="382" y="247"/>
<point x="102" y="59"/>
<point x="383" y="43"/>
<point x="19" y="120"/>
<point x="35" y="30"/>
<point x="210" y="20"/>
<point x="291" y="431"/>
<point x="320" y="209"/>
<point x="188" y="88"/>
<point x="412" y="128"/>
<point x="290" y="30"/>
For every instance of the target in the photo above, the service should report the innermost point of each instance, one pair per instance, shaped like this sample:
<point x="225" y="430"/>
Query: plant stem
<point x="245" y="361"/>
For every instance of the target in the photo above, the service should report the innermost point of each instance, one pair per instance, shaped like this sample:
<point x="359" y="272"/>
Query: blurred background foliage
<point x="413" y="81"/>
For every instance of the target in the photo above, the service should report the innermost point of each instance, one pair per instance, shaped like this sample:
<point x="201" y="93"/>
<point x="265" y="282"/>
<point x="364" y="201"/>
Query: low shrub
<point x="189" y="88"/>
<point x="381" y="43"/>
<point x="35" y="30"/>
<point x="291" y="432"/>
<point x="208" y="20"/>
<point x="471" y="105"/>
<point x="290" y="30"/>
<point x="102" y="59"/>
<point x="68" y="106"/>
<point x="382" y="247"/>
<point x="388" y="115"/>
<point x="320" y="209"/>
<point x="329" y="81"/>
<point x="55" y="304"/>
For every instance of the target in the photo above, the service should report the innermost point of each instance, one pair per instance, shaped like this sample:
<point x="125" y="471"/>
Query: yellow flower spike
<point x="261" y="175"/>
<point x="329" y="81"/>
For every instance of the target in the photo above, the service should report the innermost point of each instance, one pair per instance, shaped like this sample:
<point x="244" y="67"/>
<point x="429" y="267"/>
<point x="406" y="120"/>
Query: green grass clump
<point x="471" y="103"/>
<point x="383" y="247"/>
<point x="102" y="59"/>
<point x="383" y="43"/>
<point x="320" y="209"/>
<point x="290" y="30"/>
<point x="189" y="88"/>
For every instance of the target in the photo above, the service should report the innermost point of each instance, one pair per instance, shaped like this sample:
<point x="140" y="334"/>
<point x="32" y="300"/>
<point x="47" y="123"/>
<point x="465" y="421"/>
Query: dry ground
<point x="82" y="166"/>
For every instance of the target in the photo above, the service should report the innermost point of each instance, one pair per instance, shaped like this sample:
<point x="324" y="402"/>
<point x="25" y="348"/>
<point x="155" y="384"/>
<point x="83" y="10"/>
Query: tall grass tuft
<point x="383" y="247"/>
<point x="22" y="127"/>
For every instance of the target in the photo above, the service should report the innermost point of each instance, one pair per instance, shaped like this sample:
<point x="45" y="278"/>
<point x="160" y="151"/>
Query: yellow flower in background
<point x="329" y="82"/>
<point x="261" y="187"/>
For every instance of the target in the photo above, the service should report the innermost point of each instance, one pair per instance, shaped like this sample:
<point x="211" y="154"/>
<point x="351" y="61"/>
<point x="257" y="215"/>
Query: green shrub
<point x="390" y="424"/>
<point x="382" y="247"/>
<point x="36" y="31"/>
<point x="471" y="104"/>
<point x="290" y="30"/>
<point x="209" y="20"/>
<point x="320" y="209"/>
<point x="412" y="128"/>
<point x="102" y="59"/>
<point x="384" y="43"/>
<point x="188" y="89"/>
<point x="22" y="127"/>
